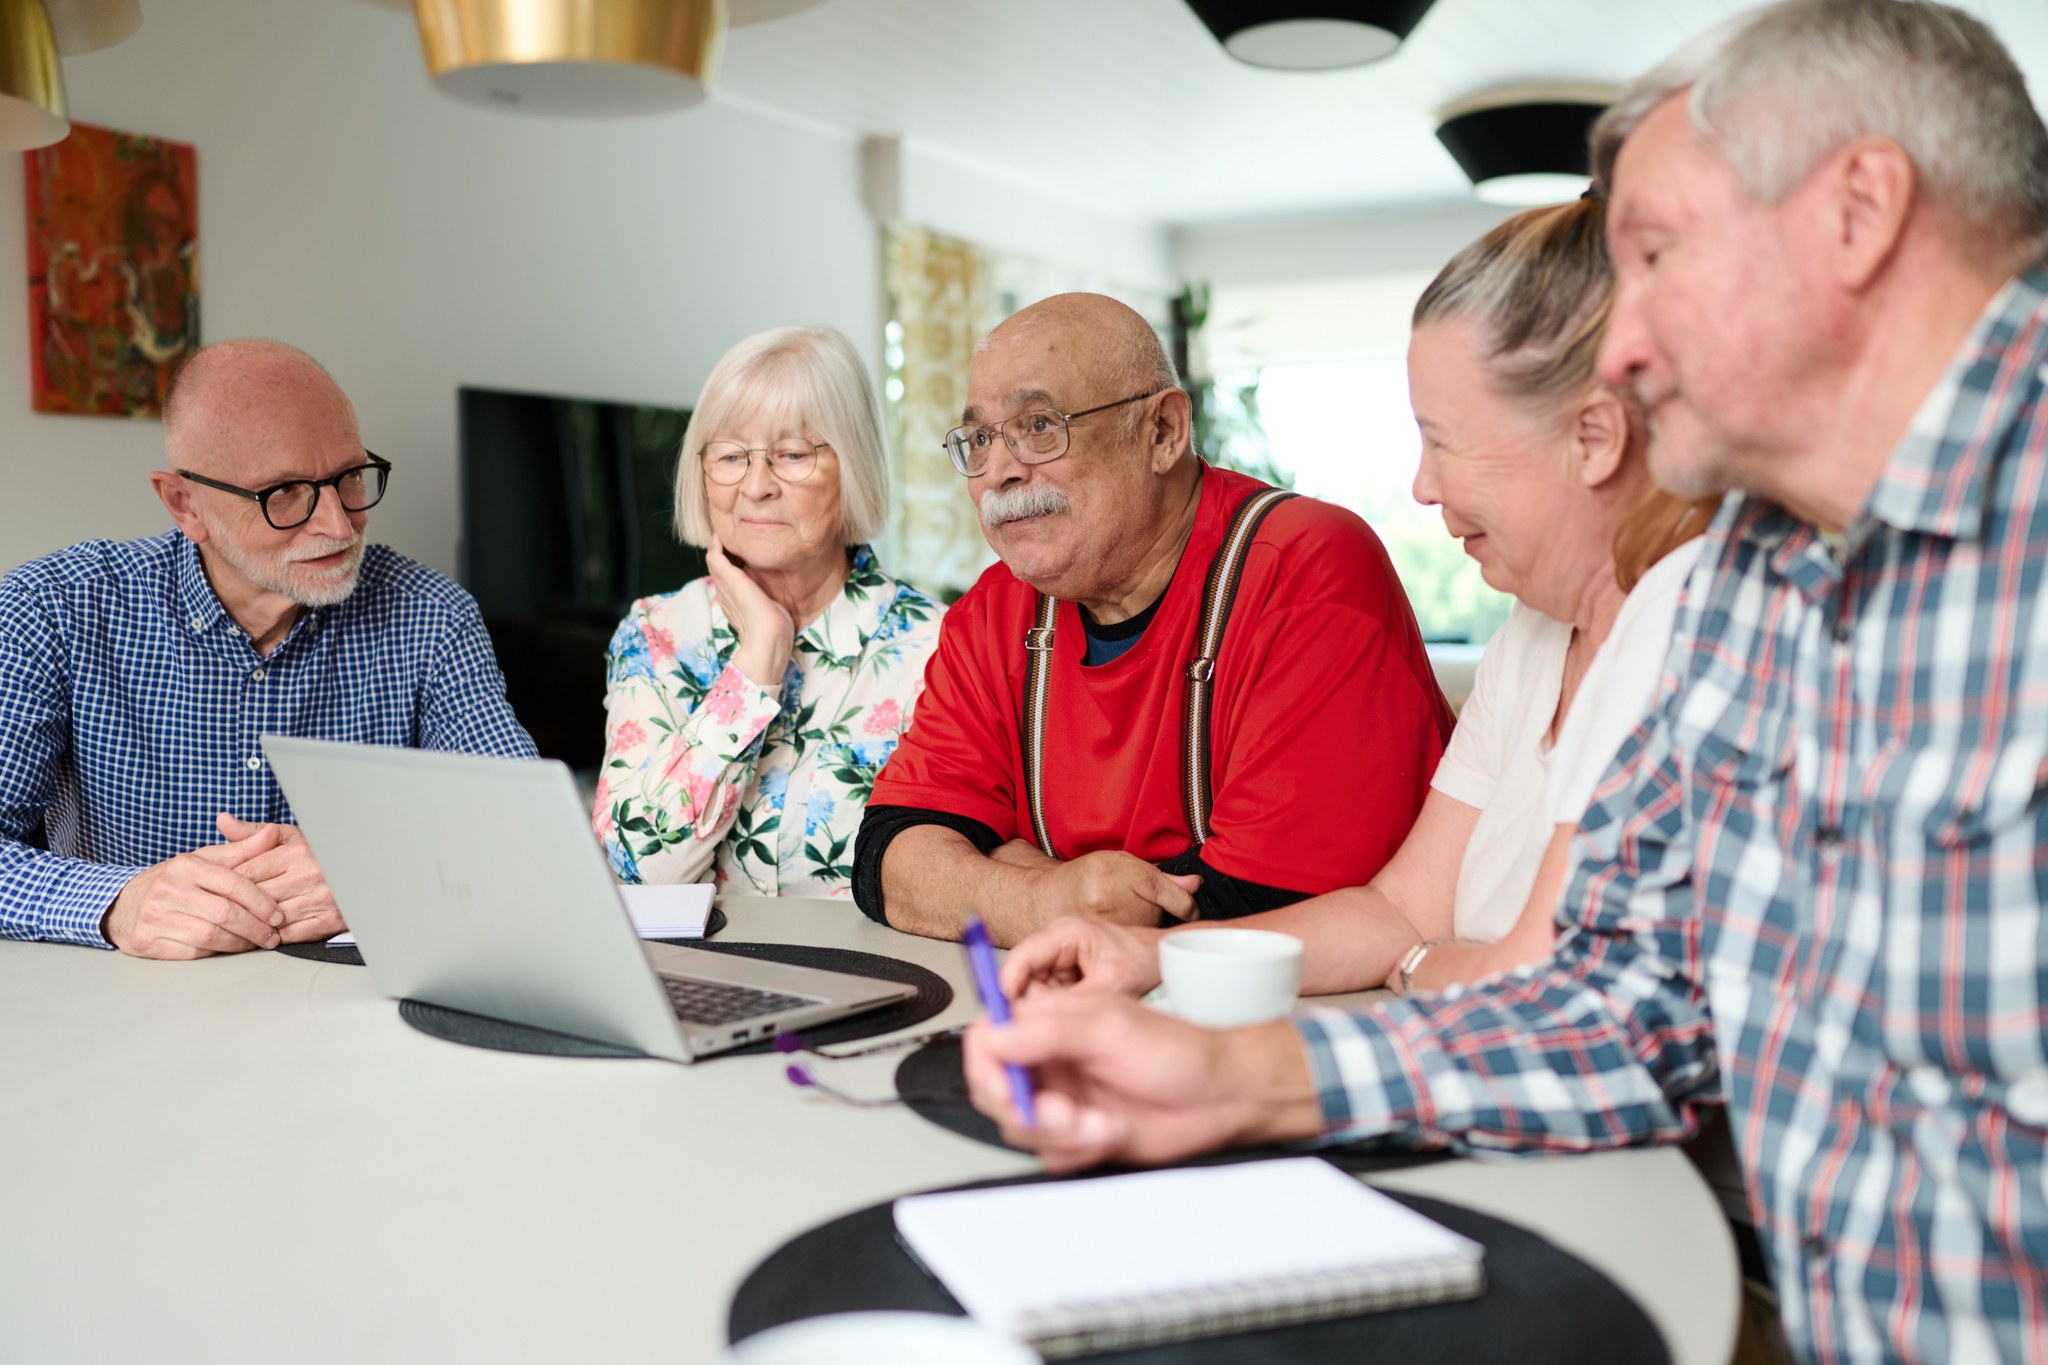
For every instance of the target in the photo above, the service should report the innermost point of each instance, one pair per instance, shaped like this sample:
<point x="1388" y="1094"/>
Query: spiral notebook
<point x="1071" y="1267"/>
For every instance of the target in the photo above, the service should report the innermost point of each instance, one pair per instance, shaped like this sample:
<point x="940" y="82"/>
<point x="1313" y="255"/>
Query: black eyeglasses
<point x="289" y="505"/>
<point x="1034" y="437"/>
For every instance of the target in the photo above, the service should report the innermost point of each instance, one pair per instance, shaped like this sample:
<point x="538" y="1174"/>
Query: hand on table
<point x="766" y="633"/>
<point x="197" y="904"/>
<point x="1072" y="951"/>
<point x="1118" y="1082"/>
<point x="1118" y="887"/>
<point x="287" y="874"/>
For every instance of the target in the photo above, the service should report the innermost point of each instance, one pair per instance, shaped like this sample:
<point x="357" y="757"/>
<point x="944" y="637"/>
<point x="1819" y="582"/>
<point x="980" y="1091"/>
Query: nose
<point x="1003" y="467"/>
<point x="1425" y="489"/>
<point x="760" y="484"/>
<point x="1625" y="350"/>
<point x="331" y="519"/>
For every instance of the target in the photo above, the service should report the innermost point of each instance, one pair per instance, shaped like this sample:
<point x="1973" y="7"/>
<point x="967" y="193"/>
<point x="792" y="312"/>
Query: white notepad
<point x="680" y="911"/>
<point x="1093" y="1265"/>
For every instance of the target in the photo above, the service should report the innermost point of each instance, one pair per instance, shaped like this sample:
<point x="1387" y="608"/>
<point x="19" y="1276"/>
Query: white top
<point x="1498" y="760"/>
<point x="1615" y="695"/>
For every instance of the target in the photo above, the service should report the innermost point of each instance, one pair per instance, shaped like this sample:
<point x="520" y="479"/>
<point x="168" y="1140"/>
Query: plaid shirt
<point x="1812" y="888"/>
<point x="131" y="705"/>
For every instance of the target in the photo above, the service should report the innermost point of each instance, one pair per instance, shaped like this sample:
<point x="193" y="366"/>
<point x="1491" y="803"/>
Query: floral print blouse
<point x="707" y="774"/>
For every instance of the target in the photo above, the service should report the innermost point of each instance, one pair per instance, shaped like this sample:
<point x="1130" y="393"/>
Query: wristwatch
<point x="1411" y="961"/>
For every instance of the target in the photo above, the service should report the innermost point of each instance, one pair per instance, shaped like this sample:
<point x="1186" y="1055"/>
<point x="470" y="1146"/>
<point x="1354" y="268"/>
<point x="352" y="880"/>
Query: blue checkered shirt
<point x="131" y="705"/>
<point x="1812" y="888"/>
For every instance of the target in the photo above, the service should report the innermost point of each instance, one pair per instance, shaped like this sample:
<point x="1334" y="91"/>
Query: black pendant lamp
<point x="1525" y="145"/>
<point x="1309" y="35"/>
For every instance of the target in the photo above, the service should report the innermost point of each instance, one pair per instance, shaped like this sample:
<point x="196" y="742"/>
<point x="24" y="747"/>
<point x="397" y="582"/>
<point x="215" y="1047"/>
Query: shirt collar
<point x="1938" y="476"/>
<point x="861" y="604"/>
<point x="198" y="605"/>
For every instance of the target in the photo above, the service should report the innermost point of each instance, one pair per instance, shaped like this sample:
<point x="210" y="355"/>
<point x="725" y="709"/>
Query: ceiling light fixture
<point x="1309" y="35"/>
<point x="1525" y="145"/>
<point x="32" y="109"/>
<point x="88" y="25"/>
<point x="33" y="35"/>
<point x="574" y="56"/>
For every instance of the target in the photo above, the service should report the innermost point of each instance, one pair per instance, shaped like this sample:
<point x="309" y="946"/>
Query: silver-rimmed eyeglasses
<point x="288" y="506"/>
<point x="1034" y="437"/>
<point x="792" y="461"/>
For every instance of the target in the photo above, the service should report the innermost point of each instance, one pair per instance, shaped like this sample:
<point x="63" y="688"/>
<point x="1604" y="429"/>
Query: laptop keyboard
<point x="715" y="1002"/>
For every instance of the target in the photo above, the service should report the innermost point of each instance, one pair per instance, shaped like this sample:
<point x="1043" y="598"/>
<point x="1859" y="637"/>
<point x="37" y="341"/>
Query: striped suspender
<point x="1038" y="654"/>
<point x="1218" y="596"/>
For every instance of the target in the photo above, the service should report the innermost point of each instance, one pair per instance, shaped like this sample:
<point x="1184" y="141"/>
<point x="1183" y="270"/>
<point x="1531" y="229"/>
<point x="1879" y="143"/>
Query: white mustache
<point x="324" y="548"/>
<point x="1026" y="500"/>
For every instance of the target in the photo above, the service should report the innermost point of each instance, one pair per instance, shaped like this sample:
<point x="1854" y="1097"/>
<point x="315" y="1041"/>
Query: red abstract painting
<point x="113" y="270"/>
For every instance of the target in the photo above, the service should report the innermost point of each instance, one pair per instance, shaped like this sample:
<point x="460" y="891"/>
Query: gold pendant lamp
<point x="32" y="109"/>
<point x="573" y="56"/>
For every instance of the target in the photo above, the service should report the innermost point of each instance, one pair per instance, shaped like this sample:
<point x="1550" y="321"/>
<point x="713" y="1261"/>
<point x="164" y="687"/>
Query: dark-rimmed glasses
<point x="287" y="506"/>
<point x="1034" y="437"/>
<point x="727" y="462"/>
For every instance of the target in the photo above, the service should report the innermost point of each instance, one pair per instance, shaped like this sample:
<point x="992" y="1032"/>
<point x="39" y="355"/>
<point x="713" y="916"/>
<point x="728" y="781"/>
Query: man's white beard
<point x="280" y="573"/>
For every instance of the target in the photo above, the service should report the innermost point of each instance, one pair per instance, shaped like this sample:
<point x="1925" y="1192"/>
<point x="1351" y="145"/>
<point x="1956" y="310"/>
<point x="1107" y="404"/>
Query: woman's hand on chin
<point x="766" y="632"/>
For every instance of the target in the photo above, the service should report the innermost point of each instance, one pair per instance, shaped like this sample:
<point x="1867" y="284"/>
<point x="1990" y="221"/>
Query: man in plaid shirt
<point x="1812" y="886"/>
<point x="137" y="679"/>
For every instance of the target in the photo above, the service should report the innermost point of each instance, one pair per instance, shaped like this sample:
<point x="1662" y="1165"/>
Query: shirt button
<point x="252" y="762"/>
<point x="1842" y="628"/>
<point x="256" y="675"/>
<point x="199" y="623"/>
<point x="1814" y="1245"/>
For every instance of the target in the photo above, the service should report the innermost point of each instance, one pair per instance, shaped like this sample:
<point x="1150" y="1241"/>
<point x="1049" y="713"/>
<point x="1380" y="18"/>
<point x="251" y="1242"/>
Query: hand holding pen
<point x="981" y="959"/>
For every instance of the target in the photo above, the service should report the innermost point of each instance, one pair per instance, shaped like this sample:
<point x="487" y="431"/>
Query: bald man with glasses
<point x="136" y="808"/>
<point x="1132" y="772"/>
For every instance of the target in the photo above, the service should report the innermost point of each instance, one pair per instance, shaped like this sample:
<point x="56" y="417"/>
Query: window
<point x="1345" y="433"/>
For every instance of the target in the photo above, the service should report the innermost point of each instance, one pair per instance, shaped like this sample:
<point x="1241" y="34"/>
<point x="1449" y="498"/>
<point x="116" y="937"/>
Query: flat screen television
<point x="567" y="507"/>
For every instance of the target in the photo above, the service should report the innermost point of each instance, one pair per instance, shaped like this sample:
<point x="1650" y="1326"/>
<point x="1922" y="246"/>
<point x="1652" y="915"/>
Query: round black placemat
<point x="933" y="994"/>
<point x="932" y="1085"/>
<point x="348" y="955"/>
<point x="1541" y="1304"/>
<point x="502" y="1035"/>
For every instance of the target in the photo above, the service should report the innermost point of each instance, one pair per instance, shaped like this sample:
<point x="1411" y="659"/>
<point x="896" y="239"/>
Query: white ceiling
<point x="1130" y="106"/>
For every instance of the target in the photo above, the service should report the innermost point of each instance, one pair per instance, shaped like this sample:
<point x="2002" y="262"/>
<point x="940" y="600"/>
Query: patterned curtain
<point x="938" y="307"/>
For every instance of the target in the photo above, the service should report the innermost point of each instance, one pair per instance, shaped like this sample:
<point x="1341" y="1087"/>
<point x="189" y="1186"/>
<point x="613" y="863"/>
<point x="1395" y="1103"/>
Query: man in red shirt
<point x="1325" y="720"/>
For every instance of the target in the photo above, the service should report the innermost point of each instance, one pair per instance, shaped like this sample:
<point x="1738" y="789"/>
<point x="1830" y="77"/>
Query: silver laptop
<point x="476" y="883"/>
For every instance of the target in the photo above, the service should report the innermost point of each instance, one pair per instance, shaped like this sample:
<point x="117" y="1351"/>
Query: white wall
<point x="924" y="186"/>
<point x="1337" y="245"/>
<point x="415" y="244"/>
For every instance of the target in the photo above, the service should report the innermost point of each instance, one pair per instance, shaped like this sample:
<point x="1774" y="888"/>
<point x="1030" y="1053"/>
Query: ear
<point x="1871" y="193"/>
<point x="176" y="496"/>
<point x="1600" y="436"/>
<point x="1168" y="429"/>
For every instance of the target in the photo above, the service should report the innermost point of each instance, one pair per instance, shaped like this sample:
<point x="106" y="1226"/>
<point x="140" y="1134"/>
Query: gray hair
<point x="1777" y="90"/>
<point x="1539" y="287"/>
<point x="805" y="375"/>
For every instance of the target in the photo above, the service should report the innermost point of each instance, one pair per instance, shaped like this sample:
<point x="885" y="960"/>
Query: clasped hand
<point x="257" y="890"/>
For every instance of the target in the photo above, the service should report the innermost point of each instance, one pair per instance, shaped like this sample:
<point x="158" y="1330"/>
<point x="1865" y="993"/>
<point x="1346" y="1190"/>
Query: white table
<point x="253" y="1159"/>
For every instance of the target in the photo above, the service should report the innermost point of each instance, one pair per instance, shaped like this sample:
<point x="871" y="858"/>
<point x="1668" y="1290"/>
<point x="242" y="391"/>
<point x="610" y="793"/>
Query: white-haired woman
<point x="748" y="712"/>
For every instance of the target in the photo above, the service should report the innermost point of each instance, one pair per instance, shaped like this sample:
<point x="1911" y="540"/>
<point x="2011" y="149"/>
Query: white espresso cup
<point x="1224" y="978"/>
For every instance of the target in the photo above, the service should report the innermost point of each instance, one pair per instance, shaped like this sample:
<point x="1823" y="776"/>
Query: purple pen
<point x="981" y="959"/>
